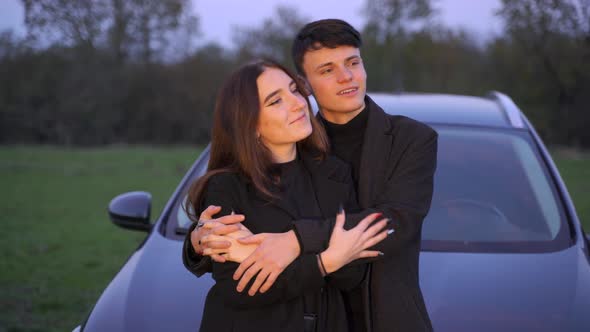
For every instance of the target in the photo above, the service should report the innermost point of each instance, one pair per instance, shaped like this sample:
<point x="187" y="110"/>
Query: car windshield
<point x="492" y="193"/>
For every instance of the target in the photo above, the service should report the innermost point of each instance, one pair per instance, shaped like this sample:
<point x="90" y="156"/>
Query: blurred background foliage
<point x="100" y="72"/>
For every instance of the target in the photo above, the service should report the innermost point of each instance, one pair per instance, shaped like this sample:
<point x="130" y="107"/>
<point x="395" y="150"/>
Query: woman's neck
<point x="283" y="154"/>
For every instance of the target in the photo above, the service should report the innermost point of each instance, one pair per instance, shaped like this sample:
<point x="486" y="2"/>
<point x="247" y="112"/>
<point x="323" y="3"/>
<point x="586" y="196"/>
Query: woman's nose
<point x="298" y="102"/>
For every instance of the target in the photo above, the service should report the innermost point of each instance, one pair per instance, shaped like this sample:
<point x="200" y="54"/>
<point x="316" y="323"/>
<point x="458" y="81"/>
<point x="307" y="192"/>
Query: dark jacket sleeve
<point x="405" y="199"/>
<point x="195" y="263"/>
<point x="300" y="276"/>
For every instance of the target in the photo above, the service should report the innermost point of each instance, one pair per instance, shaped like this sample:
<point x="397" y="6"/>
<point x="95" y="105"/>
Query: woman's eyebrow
<point x="272" y="94"/>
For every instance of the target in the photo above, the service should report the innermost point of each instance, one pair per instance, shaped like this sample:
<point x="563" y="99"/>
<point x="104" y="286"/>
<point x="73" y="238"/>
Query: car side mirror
<point x="132" y="210"/>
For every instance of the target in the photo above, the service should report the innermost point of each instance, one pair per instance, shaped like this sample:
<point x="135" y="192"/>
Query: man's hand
<point x="237" y="252"/>
<point x="275" y="252"/>
<point x="220" y="226"/>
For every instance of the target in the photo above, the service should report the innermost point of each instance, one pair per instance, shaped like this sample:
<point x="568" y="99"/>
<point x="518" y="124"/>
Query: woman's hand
<point x="218" y="226"/>
<point x="346" y="246"/>
<point x="237" y="252"/>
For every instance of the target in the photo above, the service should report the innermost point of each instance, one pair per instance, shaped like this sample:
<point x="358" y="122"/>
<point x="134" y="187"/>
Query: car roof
<point x="494" y="110"/>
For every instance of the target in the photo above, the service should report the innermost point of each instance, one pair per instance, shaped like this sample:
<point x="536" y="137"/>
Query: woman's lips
<point x="299" y="118"/>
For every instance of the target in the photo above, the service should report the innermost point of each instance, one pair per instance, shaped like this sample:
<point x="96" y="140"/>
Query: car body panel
<point x="440" y="108"/>
<point x="506" y="292"/>
<point x="152" y="292"/>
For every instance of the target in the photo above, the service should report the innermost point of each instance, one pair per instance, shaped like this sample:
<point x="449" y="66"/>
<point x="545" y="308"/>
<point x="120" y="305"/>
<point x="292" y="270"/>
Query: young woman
<point x="269" y="162"/>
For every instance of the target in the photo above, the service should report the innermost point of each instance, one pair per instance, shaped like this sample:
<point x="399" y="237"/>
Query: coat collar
<point x="330" y="189"/>
<point x="376" y="146"/>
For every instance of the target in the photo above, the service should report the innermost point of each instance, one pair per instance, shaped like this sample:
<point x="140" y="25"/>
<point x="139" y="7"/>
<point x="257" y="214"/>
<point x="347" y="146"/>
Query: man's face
<point x="338" y="80"/>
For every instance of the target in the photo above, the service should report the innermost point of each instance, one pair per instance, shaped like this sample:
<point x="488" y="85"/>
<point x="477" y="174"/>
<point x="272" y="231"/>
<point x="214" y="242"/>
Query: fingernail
<point x="378" y="215"/>
<point x="381" y="253"/>
<point x="389" y="232"/>
<point x="340" y="208"/>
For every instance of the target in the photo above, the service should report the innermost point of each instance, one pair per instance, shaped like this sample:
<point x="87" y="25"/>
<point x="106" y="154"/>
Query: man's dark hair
<point x="330" y="33"/>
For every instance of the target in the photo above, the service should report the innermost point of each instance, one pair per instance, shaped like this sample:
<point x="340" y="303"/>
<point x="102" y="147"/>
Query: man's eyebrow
<point x="330" y="63"/>
<point x="353" y="57"/>
<point x="324" y="65"/>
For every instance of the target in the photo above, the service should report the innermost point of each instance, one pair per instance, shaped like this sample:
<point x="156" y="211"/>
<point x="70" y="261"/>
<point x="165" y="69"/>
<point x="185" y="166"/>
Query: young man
<point x="393" y="160"/>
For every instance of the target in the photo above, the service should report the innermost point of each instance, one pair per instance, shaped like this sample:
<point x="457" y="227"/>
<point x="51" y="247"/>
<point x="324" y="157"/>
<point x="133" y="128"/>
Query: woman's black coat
<point x="281" y="307"/>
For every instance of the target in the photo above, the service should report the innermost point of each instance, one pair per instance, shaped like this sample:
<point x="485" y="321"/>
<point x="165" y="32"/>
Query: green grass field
<point x="58" y="246"/>
<point x="575" y="171"/>
<point x="59" y="250"/>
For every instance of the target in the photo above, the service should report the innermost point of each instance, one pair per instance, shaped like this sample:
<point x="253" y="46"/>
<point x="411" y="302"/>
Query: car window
<point x="492" y="192"/>
<point x="178" y="221"/>
<point x="181" y="215"/>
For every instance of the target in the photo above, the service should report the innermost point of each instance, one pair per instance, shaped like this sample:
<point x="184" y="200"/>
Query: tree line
<point x="130" y="71"/>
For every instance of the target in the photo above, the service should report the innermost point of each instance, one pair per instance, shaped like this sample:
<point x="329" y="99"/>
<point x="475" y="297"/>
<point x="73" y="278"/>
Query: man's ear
<point x="305" y="84"/>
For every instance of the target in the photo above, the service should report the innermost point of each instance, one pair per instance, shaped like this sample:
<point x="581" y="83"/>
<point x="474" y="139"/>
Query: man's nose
<point x="344" y="75"/>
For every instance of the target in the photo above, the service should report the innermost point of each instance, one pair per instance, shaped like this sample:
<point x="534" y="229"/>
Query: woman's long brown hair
<point x="234" y="145"/>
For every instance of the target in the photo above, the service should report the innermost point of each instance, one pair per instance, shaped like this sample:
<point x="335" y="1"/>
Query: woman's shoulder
<point x="224" y="181"/>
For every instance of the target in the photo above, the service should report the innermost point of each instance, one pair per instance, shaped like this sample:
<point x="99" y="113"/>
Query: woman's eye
<point x="275" y="102"/>
<point x="326" y="71"/>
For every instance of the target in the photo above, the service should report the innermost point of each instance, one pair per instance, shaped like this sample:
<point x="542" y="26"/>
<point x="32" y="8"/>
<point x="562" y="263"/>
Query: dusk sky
<point x="217" y="17"/>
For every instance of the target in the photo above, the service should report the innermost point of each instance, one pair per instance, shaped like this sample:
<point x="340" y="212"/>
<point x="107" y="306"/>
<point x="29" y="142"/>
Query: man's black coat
<point x="396" y="177"/>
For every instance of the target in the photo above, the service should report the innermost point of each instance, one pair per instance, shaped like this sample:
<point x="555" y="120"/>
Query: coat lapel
<point x="375" y="150"/>
<point x="329" y="192"/>
<point x="278" y="203"/>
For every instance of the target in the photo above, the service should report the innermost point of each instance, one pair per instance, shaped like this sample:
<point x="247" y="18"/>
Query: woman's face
<point x="284" y="113"/>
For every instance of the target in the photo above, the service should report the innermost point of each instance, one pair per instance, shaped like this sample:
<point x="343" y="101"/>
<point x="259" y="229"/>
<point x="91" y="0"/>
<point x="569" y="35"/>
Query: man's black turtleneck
<point x="346" y="140"/>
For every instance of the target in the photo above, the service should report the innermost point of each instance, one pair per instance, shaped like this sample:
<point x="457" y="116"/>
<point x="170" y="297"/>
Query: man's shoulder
<point x="407" y="125"/>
